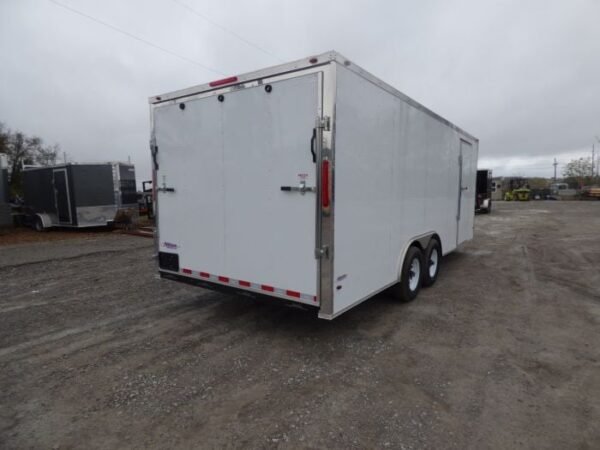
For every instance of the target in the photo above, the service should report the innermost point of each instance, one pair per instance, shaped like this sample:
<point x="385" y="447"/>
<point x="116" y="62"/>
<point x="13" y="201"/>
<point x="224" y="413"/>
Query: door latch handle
<point x="302" y="188"/>
<point x="164" y="187"/>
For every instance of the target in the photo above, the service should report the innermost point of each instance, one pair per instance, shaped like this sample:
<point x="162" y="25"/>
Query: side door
<point x="466" y="195"/>
<point x="61" y="196"/>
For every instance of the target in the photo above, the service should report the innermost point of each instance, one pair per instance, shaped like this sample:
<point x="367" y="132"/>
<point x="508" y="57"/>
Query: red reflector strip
<point x="325" y="183"/>
<point x="248" y="285"/>
<point x="223" y="81"/>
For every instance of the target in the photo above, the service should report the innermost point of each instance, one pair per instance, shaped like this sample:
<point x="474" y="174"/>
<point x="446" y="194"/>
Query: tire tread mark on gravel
<point x="51" y="337"/>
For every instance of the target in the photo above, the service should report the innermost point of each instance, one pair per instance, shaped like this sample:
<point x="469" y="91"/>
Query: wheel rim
<point x="414" y="274"/>
<point x="433" y="263"/>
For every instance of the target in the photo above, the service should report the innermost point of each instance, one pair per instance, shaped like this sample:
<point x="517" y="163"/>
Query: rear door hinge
<point x="322" y="252"/>
<point x="154" y="152"/>
<point x="324" y="122"/>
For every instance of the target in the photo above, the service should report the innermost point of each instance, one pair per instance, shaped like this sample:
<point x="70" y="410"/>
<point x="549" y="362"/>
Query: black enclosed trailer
<point x="80" y="195"/>
<point x="483" y="199"/>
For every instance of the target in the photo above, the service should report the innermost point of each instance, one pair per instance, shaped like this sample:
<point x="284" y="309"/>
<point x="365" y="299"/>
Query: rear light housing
<point x="325" y="184"/>
<point x="223" y="81"/>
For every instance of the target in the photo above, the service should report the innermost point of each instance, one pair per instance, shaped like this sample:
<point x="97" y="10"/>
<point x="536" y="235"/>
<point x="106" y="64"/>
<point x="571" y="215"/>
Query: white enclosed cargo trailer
<point x="312" y="181"/>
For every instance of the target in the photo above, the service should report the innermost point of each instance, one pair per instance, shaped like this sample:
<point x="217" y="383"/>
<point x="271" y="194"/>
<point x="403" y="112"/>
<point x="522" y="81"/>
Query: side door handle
<point x="312" y="145"/>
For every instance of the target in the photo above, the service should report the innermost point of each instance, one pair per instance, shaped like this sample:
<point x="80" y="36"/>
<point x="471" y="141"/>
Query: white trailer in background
<point x="312" y="181"/>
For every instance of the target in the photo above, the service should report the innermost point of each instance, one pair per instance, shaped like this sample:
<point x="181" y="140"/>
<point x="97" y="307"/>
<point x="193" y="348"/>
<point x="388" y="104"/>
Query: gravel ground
<point x="503" y="352"/>
<point x="22" y="235"/>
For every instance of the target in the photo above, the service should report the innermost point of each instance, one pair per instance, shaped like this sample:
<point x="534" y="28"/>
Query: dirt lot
<point x="503" y="352"/>
<point x="22" y="235"/>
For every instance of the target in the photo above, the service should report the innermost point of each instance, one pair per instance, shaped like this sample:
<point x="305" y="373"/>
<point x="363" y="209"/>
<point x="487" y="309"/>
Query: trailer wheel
<point x="433" y="259"/>
<point x="38" y="224"/>
<point x="411" y="276"/>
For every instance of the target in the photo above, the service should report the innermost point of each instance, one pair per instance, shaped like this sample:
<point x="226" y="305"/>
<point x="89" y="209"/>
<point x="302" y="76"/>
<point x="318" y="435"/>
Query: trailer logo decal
<point x="256" y="287"/>
<point x="303" y="176"/>
<point x="170" y="245"/>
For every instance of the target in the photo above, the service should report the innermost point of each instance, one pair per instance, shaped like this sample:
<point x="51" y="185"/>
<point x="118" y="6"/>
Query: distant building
<point x="497" y="193"/>
<point x="562" y="191"/>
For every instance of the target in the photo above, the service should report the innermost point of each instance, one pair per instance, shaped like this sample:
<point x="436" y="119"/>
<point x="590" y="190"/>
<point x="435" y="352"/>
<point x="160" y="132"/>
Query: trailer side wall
<point x="93" y="184"/>
<point x="396" y="178"/>
<point x="38" y="191"/>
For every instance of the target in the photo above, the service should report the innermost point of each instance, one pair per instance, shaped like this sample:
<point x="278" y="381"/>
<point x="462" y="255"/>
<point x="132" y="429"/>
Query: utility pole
<point x="555" y="164"/>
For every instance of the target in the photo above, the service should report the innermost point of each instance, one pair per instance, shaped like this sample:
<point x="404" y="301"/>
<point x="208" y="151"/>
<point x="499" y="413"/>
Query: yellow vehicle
<point x="521" y="194"/>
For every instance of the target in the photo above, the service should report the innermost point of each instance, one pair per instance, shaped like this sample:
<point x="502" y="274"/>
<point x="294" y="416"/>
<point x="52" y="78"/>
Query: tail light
<point x="223" y="81"/>
<point x="325" y="185"/>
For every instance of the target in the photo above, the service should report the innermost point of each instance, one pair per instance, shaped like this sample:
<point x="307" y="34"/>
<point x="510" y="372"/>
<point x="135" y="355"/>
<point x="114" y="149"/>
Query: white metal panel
<point x="227" y="161"/>
<point x="396" y="179"/>
<point x="468" y="178"/>
<point x="190" y="159"/>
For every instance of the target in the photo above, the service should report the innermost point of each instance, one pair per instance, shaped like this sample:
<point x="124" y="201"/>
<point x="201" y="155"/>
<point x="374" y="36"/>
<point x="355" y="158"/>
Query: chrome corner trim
<point x="325" y="219"/>
<point x="153" y="156"/>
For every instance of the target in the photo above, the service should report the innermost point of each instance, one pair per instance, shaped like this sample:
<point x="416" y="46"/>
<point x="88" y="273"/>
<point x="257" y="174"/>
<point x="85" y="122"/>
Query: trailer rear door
<point x="221" y="164"/>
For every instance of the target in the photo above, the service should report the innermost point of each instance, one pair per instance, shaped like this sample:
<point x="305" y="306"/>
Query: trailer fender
<point x="45" y="220"/>
<point x="421" y="242"/>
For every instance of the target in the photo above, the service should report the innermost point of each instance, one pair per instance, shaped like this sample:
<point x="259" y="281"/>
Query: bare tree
<point x="46" y="156"/>
<point x="4" y="135"/>
<point x="579" y="172"/>
<point x="21" y="149"/>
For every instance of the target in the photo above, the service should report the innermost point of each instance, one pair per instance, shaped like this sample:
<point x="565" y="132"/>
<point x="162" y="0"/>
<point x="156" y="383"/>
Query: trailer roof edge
<point x="300" y="64"/>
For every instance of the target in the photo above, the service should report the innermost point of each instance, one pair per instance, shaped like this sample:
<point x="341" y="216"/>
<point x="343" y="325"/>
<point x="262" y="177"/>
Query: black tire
<point x="407" y="290"/>
<point x="38" y="225"/>
<point x="433" y="256"/>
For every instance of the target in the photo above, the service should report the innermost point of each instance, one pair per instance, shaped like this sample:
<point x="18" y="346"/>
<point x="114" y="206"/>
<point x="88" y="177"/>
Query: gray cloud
<point x="521" y="76"/>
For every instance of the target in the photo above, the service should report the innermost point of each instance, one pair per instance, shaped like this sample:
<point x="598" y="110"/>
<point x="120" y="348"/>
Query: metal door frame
<point x="460" y="184"/>
<point x="64" y="169"/>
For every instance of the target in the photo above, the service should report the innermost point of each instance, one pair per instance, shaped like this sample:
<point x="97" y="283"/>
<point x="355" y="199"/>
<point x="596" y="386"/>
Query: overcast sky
<point x="523" y="76"/>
